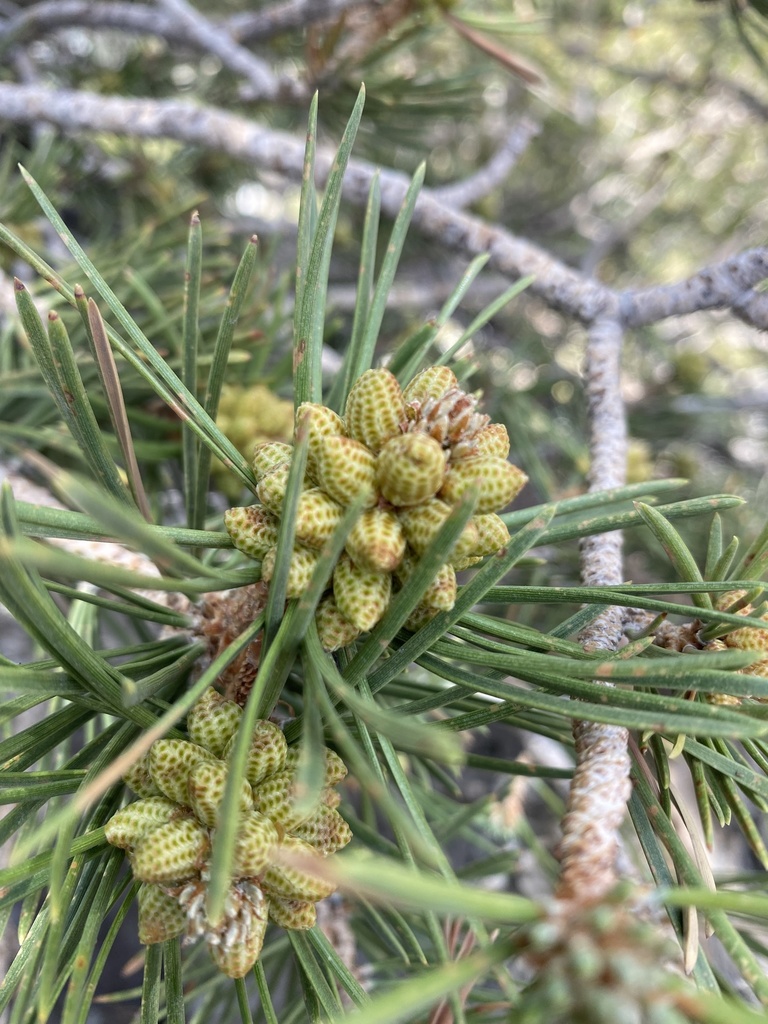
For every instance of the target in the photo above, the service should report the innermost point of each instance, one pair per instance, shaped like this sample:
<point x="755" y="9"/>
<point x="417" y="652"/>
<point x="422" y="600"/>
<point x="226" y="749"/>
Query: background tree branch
<point x="39" y="20"/>
<point x="464" y="193"/>
<point x="263" y="83"/>
<point x="721" y="286"/>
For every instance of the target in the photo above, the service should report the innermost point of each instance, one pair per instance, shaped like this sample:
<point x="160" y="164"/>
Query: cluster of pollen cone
<point x="409" y="455"/>
<point x="168" y="834"/>
<point x="600" y="964"/>
<point x="749" y="638"/>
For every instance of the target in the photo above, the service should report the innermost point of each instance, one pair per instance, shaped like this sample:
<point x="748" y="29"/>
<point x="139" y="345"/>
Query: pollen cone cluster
<point x="248" y="414"/>
<point x="253" y="413"/>
<point x="750" y="638"/>
<point x="599" y="965"/>
<point x="169" y="831"/>
<point x="409" y="455"/>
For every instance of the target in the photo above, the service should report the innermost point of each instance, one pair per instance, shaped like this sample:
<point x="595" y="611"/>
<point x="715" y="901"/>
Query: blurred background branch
<point x="720" y="286"/>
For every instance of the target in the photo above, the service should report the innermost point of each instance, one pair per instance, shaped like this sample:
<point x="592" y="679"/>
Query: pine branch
<point x="250" y="26"/>
<point x="752" y="308"/>
<point x="263" y="83"/>
<point x="478" y="185"/>
<point x="600" y="787"/>
<point x="727" y="285"/>
<point x="41" y="19"/>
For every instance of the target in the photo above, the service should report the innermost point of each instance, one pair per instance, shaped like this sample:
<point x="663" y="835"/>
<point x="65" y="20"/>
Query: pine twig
<point x="752" y="308"/>
<point x="41" y="19"/>
<point x="477" y="186"/>
<point x="263" y="83"/>
<point x="600" y="787"/>
<point x="728" y="285"/>
<point x="268" y="22"/>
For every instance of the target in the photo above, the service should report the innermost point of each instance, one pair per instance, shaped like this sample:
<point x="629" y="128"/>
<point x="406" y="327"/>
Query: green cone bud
<point x="465" y="563"/>
<point x="206" y="784"/>
<point x="253" y="529"/>
<point x="298" y="915"/>
<point x="362" y="597"/>
<point x="160" y="916"/>
<point x="376" y="542"/>
<point x="213" y="721"/>
<point x="420" y="616"/>
<point x="269" y="454"/>
<point x="492" y="534"/>
<point x="433" y="382"/>
<point x="441" y="592"/>
<point x="410" y="469"/>
<point x="301" y="566"/>
<point x="330" y="797"/>
<point x="271" y="488"/>
<point x="297" y="881"/>
<point x="170" y="762"/>
<point x="333" y="629"/>
<point x="139" y="778"/>
<point x="171" y="852"/>
<point x="322" y="423"/>
<point x="326" y="831"/>
<point x="127" y="826"/>
<point x="375" y="409"/>
<point x="346" y="470"/>
<point x="492" y="440"/>
<point x="316" y="518"/>
<point x="422" y="523"/>
<point x="748" y="638"/>
<point x="266" y="754"/>
<point x="496" y="482"/>
<point x="256" y="841"/>
<point x="335" y="769"/>
<point x="276" y="797"/>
